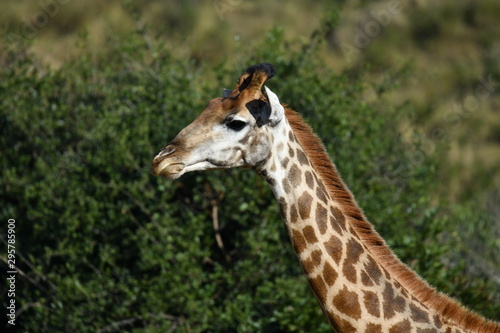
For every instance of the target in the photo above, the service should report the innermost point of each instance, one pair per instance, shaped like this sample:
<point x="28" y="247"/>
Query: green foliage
<point x="105" y="246"/>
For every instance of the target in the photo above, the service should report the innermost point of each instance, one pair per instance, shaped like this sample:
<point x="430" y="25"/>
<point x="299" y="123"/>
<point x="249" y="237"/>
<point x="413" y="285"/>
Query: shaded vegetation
<point x="451" y="46"/>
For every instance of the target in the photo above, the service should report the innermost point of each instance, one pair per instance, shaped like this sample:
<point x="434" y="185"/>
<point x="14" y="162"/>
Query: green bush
<point x="104" y="246"/>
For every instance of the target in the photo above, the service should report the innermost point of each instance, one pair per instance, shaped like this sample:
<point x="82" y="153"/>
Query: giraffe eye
<point x="235" y="124"/>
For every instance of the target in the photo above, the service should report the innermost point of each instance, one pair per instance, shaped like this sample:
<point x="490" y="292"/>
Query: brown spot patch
<point x="309" y="234"/>
<point x="403" y="326"/>
<point x="339" y="217"/>
<point x="341" y="325"/>
<point x="291" y="152"/>
<point x="329" y="274"/>
<point x="321" y="218"/>
<point x="312" y="262"/>
<point x="334" y="248"/>
<point x="316" y="178"/>
<point x="354" y="251"/>
<point x="346" y="326"/>
<point x="286" y="185"/>
<point x="418" y="314"/>
<point x="302" y="157"/>
<point x="438" y="322"/>
<point x="321" y="195"/>
<point x="372" y="303"/>
<point x="349" y="271"/>
<point x="284" y="162"/>
<point x="392" y="303"/>
<point x="365" y="279"/>
<point x="319" y="287"/>
<point x="373" y="328"/>
<point x="347" y="302"/>
<point x="305" y="201"/>
<point x="387" y="275"/>
<point x="372" y="270"/>
<point x="294" y="215"/>
<point x="335" y="226"/>
<point x="298" y="241"/>
<point x="316" y="257"/>
<point x="244" y="140"/>
<point x="291" y="137"/>
<point x="295" y="175"/>
<point x="271" y="181"/>
<point x="322" y="188"/>
<point x="283" y="207"/>
<point x="309" y="180"/>
<point x="427" y="330"/>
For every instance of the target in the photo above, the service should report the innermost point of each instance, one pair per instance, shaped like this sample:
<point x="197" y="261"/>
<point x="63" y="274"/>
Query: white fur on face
<point x="215" y="142"/>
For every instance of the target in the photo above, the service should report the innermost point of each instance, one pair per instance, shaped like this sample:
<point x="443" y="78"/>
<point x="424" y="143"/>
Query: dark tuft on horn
<point x="265" y="67"/>
<point x="253" y="79"/>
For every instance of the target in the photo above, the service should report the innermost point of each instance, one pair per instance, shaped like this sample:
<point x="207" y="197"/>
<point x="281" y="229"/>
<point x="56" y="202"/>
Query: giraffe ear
<point x="267" y="111"/>
<point x="277" y="112"/>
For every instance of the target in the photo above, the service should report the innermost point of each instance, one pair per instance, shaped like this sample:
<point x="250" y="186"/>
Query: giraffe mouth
<point x="165" y="165"/>
<point x="170" y="171"/>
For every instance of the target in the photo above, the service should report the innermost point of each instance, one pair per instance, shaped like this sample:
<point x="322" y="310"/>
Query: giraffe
<point x="358" y="281"/>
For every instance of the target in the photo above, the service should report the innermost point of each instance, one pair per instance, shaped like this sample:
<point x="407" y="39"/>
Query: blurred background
<point x="451" y="47"/>
<point x="405" y="95"/>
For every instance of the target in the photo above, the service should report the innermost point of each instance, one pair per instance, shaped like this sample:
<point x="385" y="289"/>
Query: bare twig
<point x="116" y="326"/>
<point x="30" y="265"/>
<point x="27" y="277"/>
<point x="26" y="306"/>
<point x="214" y="200"/>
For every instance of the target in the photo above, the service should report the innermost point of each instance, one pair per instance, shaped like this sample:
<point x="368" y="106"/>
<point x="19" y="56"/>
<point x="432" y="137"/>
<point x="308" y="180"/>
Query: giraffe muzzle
<point x="168" y="170"/>
<point x="164" y="166"/>
<point x="172" y="170"/>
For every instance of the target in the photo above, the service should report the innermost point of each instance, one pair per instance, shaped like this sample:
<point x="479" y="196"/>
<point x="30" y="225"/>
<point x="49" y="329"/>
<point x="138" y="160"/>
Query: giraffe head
<point x="232" y="131"/>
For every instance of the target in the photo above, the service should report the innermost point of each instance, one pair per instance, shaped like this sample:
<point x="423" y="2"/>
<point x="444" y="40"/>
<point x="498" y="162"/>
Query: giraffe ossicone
<point x="360" y="284"/>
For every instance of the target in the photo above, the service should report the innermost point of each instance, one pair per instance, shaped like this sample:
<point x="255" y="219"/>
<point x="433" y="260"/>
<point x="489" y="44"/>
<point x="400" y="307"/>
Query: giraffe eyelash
<point x="235" y="124"/>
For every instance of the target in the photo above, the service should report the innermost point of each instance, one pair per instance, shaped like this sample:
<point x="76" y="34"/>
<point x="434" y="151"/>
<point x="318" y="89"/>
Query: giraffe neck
<point x="359" y="283"/>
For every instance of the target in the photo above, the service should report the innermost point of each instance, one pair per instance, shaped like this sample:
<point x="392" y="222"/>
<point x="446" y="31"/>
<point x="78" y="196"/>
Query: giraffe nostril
<point x="167" y="150"/>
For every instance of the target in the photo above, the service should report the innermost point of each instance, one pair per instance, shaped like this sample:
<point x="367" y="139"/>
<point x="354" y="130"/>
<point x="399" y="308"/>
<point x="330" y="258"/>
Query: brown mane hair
<point x="425" y="294"/>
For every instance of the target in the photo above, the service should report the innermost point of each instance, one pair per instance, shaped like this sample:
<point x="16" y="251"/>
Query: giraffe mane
<point x="420" y="289"/>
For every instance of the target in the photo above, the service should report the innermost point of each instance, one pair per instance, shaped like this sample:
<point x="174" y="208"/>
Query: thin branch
<point x="30" y="265"/>
<point x="214" y="200"/>
<point x="26" y="306"/>
<point x="115" y="326"/>
<point x="137" y="202"/>
<point x="27" y="277"/>
<point x="218" y="237"/>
